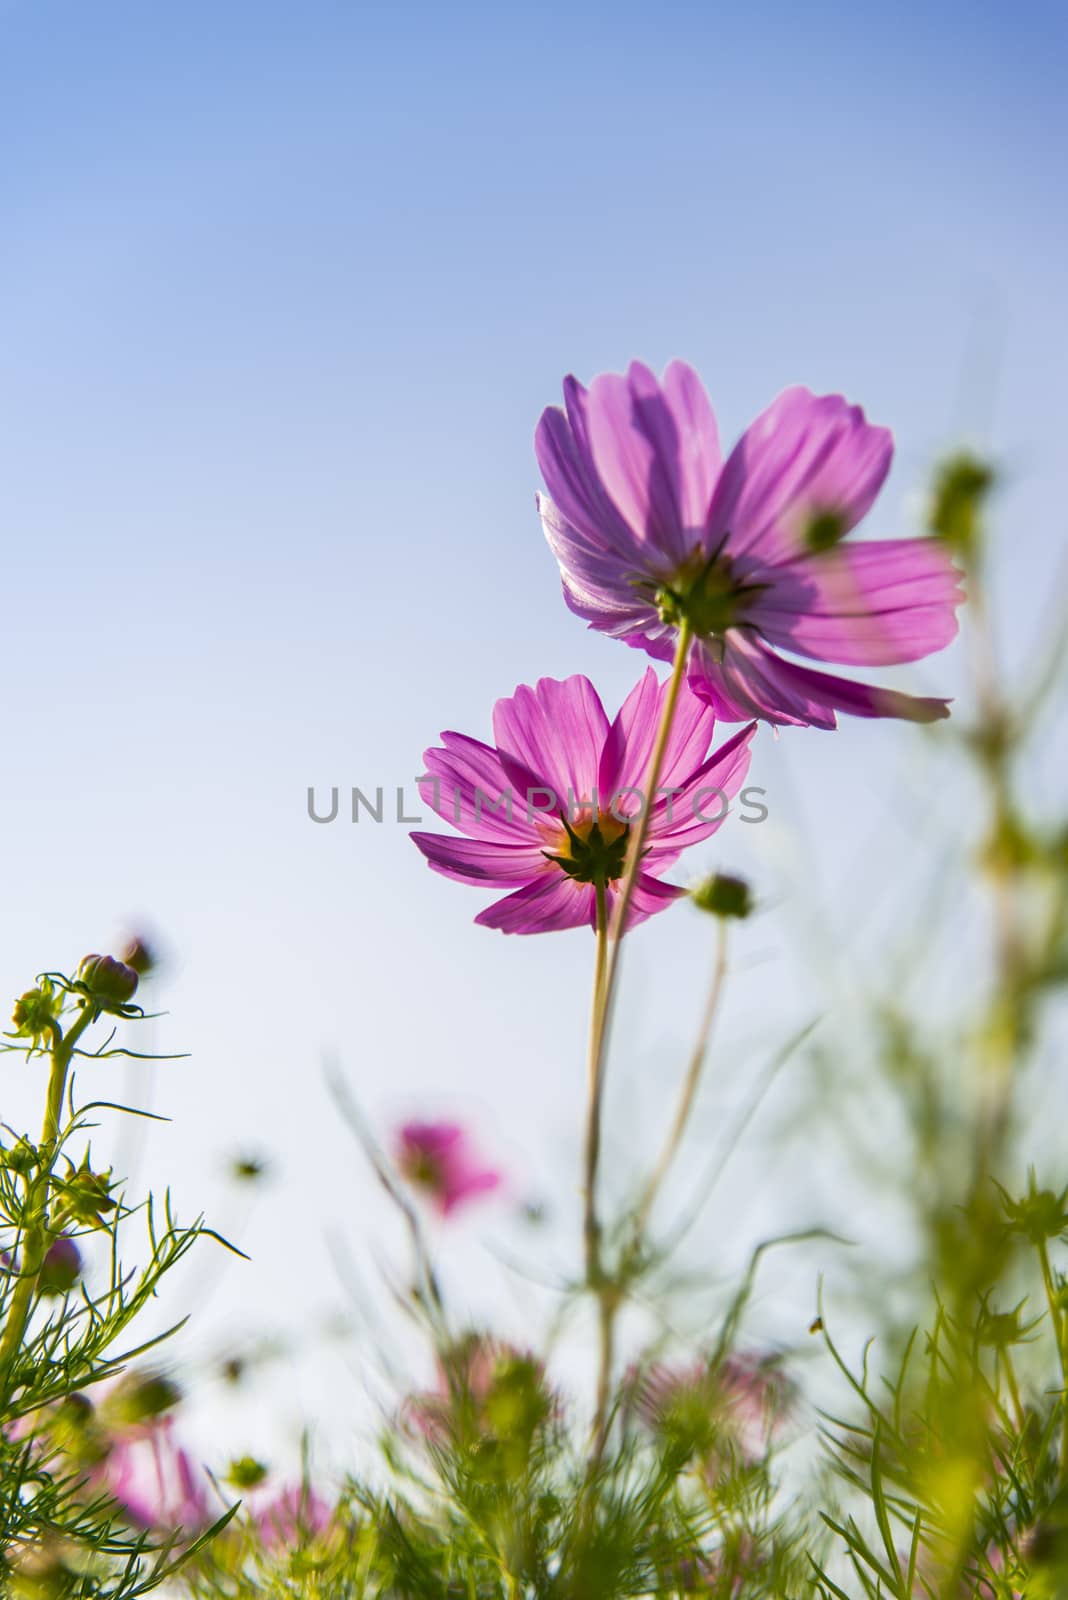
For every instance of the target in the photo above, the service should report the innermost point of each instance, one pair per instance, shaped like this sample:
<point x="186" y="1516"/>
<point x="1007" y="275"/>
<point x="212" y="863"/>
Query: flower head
<point x="492" y="1401"/>
<point x="294" y="1516"/>
<point x="156" y="1483"/>
<point x="652" y="528"/>
<point x="547" y="810"/>
<point x="438" y="1158"/>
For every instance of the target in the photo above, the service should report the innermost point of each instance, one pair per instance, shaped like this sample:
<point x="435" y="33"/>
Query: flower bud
<point x="724" y="896"/>
<point x="35" y="1014"/>
<point x="61" y="1268"/>
<point x="246" y="1473"/>
<point x="139" y="957"/>
<point x="109" y="984"/>
<point x="21" y="1158"/>
<point x="85" y="1197"/>
<point x="140" y="1397"/>
<point x="961" y="487"/>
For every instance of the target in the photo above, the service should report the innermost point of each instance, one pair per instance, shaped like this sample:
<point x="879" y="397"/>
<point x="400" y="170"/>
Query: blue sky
<point x="284" y="289"/>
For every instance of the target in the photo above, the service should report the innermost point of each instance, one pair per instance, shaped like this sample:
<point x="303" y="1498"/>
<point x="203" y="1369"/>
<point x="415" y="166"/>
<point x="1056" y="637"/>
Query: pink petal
<point x="463" y="767"/>
<point x="695" y="815"/>
<point x="649" y="897"/>
<point x="557" y="730"/>
<point x="546" y="907"/>
<point x="479" y="861"/>
<point x="745" y="679"/>
<point x="656" y="451"/>
<point x="805" y="455"/>
<point x="563" y="454"/>
<point x="594" y="576"/>
<point x="752" y="681"/>
<point x="629" y="748"/>
<point x="865" y="604"/>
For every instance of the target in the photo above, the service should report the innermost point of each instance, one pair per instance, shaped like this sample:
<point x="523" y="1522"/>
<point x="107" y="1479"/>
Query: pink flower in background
<point x="486" y="1389"/>
<point x="546" y="812"/>
<point x="156" y="1483"/>
<point x="650" y="525"/>
<point x="295" y="1515"/>
<point x="438" y="1158"/>
<point x="741" y="1403"/>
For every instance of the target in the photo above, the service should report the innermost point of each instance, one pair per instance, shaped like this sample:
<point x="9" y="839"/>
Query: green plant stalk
<point x="602" y="1011"/>
<point x="591" y="1227"/>
<point x="609" y="941"/>
<point x="35" y="1246"/>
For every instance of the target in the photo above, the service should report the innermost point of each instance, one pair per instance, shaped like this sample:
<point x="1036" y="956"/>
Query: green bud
<point x="108" y="983"/>
<point x="77" y="1431"/>
<point x="140" y="1397"/>
<point x="246" y="1472"/>
<point x="35" y="1014"/>
<point x="21" y="1158"/>
<point x="139" y="957"/>
<point x="247" y="1169"/>
<point x="961" y="486"/>
<point x="1003" y="1329"/>
<point x="85" y="1197"/>
<point x="1039" y="1216"/>
<point x="724" y="896"/>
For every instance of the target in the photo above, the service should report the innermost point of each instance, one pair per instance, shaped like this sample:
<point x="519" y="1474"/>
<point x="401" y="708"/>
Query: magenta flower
<point x="475" y="1369"/>
<point x="546" y="812"/>
<point x="295" y="1516"/>
<point x="650" y="527"/>
<point x="438" y="1158"/>
<point x="156" y="1484"/>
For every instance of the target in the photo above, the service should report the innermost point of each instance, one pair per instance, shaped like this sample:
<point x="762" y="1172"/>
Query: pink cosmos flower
<point x="469" y="1374"/>
<point x="438" y="1158"/>
<point x="294" y="1516"/>
<point x="154" y="1480"/>
<point x="650" y="525"/>
<point x="737" y="1406"/>
<point x="546" y="811"/>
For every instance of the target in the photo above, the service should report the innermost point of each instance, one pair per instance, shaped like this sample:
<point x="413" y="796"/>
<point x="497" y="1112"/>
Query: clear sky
<point x="284" y="288"/>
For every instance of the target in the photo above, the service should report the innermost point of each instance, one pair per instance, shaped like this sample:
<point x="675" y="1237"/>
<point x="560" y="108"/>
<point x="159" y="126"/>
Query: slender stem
<point x="609" y="940"/>
<point x="594" y="1090"/>
<point x="690" y="1083"/>
<point x="635" y="851"/>
<point x="35" y="1246"/>
<point x="591" y="1227"/>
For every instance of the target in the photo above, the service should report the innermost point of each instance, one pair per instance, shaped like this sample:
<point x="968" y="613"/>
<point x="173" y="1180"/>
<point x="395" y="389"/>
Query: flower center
<point x="705" y="592"/>
<point x="593" y="850"/>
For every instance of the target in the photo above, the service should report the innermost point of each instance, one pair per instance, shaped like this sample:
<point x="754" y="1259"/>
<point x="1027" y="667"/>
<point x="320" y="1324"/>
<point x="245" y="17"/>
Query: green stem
<point x="591" y="1227"/>
<point x="35" y="1244"/>
<point x="609" y="940"/>
<point x="635" y="851"/>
